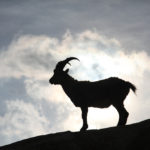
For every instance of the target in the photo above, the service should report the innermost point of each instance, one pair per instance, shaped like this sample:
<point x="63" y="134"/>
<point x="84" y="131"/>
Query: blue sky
<point x="110" y="37"/>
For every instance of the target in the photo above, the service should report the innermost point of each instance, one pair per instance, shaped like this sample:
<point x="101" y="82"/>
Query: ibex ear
<point x="67" y="70"/>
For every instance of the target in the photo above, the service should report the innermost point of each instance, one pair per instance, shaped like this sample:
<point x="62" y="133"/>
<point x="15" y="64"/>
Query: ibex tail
<point x="132" y="87"/>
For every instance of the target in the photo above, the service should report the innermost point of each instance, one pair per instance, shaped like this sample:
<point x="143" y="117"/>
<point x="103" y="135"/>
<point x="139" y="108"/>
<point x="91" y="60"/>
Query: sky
<point x="110" y="37"/>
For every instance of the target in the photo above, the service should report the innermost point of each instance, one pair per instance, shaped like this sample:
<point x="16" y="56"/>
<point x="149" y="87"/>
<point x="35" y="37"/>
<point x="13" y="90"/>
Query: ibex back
<point x="100" y="94"/>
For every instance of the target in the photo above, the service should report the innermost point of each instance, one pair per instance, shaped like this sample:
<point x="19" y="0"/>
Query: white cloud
<point x="26" y="56"/>
<point x="42" y="90"/>
<point x="34" y="57"/>
<point x="73" y="122"/>
<point x="22" y="120"/>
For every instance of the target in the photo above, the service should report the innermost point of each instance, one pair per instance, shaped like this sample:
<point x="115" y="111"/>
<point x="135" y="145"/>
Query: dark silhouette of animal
<point x="100" y="94"/>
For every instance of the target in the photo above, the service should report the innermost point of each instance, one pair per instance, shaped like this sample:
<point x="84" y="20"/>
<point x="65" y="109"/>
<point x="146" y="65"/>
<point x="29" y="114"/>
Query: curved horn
<point x="69" y="59"/>
<point x="62" y="64"/>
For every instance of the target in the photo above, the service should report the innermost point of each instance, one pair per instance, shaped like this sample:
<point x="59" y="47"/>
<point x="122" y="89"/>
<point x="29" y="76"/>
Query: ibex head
<point x="59" y="73"/>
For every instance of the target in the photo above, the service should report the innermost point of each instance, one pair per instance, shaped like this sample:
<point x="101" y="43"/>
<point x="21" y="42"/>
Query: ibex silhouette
<point x="100" y="94"/>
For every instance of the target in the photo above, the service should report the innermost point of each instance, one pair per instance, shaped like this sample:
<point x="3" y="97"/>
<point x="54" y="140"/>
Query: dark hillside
<point x="115" y="138"/>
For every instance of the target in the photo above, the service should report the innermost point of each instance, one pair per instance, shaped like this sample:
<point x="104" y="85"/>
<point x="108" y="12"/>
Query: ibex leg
<point x="123" y="114"/>
<point x="84" y="118"/>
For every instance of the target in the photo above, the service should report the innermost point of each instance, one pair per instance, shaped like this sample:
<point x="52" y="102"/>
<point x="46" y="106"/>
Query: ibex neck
<point x="68" y="81"/>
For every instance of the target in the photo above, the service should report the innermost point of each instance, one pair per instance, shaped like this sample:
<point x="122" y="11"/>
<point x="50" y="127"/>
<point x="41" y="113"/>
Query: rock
<point x="127" y="137"/>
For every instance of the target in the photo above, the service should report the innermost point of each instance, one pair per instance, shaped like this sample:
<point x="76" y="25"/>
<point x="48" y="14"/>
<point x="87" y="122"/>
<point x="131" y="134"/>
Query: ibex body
<point x="100" y="94"/>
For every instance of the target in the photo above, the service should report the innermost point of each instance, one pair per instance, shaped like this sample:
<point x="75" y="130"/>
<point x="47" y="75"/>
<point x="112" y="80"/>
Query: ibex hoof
<point x="84" y="128"/>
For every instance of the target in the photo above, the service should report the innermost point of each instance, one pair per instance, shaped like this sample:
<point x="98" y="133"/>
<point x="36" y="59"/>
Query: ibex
<point x="100" y="94"/>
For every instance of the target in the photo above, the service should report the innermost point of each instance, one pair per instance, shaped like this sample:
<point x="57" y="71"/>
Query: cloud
<point x="21" y="120"/>
<point x="126" y="20"/>
<point x="33" y="58"/>
<point x="21" y="54"/>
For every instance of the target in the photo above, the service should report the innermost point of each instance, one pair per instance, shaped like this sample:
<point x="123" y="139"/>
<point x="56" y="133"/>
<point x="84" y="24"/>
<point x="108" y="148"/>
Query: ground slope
<point x="115" y="138"/>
